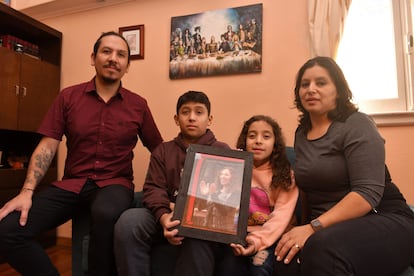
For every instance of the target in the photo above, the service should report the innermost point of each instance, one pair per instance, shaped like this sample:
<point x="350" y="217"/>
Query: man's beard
<point x="109" y="80"/>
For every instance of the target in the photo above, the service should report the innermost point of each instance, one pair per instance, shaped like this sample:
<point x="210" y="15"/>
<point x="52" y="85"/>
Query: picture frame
<point x="134" y="35"/>
<point x="213" y="199"/>
<point x="216" y="42"/>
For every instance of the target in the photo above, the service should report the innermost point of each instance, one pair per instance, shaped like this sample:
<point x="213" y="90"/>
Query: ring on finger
<point x="297" y="246"/>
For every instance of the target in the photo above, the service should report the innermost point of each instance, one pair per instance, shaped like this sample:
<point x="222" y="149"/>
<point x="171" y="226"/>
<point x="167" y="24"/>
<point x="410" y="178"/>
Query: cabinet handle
<point x="24" y="91"/>
<point x="16" y="88"/>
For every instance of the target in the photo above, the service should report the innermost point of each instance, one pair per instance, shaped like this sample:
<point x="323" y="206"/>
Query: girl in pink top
<point x="273" y="192"/>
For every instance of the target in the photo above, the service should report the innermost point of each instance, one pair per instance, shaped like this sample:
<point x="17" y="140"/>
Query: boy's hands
<point x="167" y="224"/>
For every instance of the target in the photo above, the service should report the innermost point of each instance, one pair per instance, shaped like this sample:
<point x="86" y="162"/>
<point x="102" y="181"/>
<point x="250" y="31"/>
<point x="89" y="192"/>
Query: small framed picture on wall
<point x="134" y="35"/>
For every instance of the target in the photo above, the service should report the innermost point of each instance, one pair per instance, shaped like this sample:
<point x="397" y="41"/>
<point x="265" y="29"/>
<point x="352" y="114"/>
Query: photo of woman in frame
<point x="214" y="196"/>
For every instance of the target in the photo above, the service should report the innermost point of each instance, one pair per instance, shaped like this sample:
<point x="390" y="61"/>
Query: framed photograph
<point x="135" y="37"/>
<point x="213" y="199"/>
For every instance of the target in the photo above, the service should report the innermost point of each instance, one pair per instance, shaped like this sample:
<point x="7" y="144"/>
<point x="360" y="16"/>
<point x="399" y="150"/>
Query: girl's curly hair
<point x="278" y="159"/>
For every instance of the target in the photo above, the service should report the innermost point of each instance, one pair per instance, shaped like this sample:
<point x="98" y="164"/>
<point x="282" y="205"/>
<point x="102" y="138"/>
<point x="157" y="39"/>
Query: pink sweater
<point x="283" y="203"/>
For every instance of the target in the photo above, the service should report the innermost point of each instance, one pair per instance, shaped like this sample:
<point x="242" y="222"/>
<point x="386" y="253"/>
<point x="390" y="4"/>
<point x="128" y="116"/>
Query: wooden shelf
<point x="20" y="25"/>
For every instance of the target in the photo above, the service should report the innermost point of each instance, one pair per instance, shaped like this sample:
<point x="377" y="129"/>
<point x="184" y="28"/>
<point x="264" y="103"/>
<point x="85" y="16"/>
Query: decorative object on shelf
<point x="213" y="198"/>
<point x="17" y="161"/>
<point x="18" y="47"/>
<point x="135" y="37"/>
<point x="218" y="42"/>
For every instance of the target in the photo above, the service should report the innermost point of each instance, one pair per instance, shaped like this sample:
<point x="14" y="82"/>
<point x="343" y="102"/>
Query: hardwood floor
<point x="61" y="256"/>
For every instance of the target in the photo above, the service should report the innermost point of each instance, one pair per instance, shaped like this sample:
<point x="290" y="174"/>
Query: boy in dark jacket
<point x="137" y="229"/>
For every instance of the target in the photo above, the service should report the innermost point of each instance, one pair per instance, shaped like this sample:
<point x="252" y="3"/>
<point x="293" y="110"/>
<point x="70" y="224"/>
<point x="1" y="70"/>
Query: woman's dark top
<point x="349" y="157"/>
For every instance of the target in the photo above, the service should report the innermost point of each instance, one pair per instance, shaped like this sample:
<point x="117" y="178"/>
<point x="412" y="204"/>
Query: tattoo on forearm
<point x="41" y="163"/>
<point x="43" y="159"/>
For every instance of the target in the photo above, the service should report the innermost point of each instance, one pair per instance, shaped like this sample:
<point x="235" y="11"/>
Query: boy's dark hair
<point x="99" y="40"/>
<point x="193" y="96"/>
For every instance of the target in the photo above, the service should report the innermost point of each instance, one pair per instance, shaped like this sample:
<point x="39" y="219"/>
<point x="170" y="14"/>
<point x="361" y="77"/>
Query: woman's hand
<point x="207" y="188"/>
<point x="204" y="187"/>
<point x="292" y="242"/>
<point x="168" y="224"/>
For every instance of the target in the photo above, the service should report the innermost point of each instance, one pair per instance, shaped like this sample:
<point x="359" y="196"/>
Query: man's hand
<point x="22" y="202"/>
<point x="167" y="224"/>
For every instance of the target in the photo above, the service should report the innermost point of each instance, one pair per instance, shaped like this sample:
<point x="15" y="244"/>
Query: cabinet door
<point x="9" y="88"/>
<point x="39" y="85"/>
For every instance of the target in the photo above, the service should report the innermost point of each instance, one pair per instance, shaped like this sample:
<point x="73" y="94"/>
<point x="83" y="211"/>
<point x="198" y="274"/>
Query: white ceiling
<point x="42" y="9"/>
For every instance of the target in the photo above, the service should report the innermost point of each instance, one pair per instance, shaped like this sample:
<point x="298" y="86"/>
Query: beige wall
<point x="234" y="98"/>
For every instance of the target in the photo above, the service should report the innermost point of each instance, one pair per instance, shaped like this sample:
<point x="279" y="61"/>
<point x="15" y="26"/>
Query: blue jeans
<point x="263" y="262"/>
<point x="207" y="258"/>
<point x="136" y="235"/>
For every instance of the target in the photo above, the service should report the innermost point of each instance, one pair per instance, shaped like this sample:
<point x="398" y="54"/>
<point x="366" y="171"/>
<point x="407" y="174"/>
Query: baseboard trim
<point x="61" y="241"/>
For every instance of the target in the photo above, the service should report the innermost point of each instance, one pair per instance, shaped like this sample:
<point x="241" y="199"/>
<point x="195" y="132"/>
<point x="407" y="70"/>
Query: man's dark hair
<point x="193" y="96"/>
<point x="99" y="40"/>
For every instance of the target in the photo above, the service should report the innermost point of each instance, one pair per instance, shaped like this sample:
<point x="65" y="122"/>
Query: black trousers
<point x="207" y="258"/>
<point x="53" y="207"/>
<point x="376" y="244"/>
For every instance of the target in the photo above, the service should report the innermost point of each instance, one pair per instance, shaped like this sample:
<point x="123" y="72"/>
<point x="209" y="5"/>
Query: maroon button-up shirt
<point x="100" y="137"/>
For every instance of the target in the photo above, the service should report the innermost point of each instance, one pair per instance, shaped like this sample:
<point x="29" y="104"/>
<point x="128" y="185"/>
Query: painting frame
<point x="134" y="35"/>
<point x="216" y="42"/>
<point x="220" y="221"/>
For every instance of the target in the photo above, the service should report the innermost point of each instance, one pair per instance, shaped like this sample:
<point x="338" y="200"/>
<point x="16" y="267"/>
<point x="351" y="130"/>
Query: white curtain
<point x="326" y="24"/>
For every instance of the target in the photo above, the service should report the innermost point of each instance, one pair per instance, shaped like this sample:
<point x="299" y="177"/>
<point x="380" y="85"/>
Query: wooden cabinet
<point x="28" y="85"/>
<point x="27" y="88"/>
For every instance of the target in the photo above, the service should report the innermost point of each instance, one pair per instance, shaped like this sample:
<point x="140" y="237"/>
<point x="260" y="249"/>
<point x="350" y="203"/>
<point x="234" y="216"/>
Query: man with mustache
<point x="102" y="122"/>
